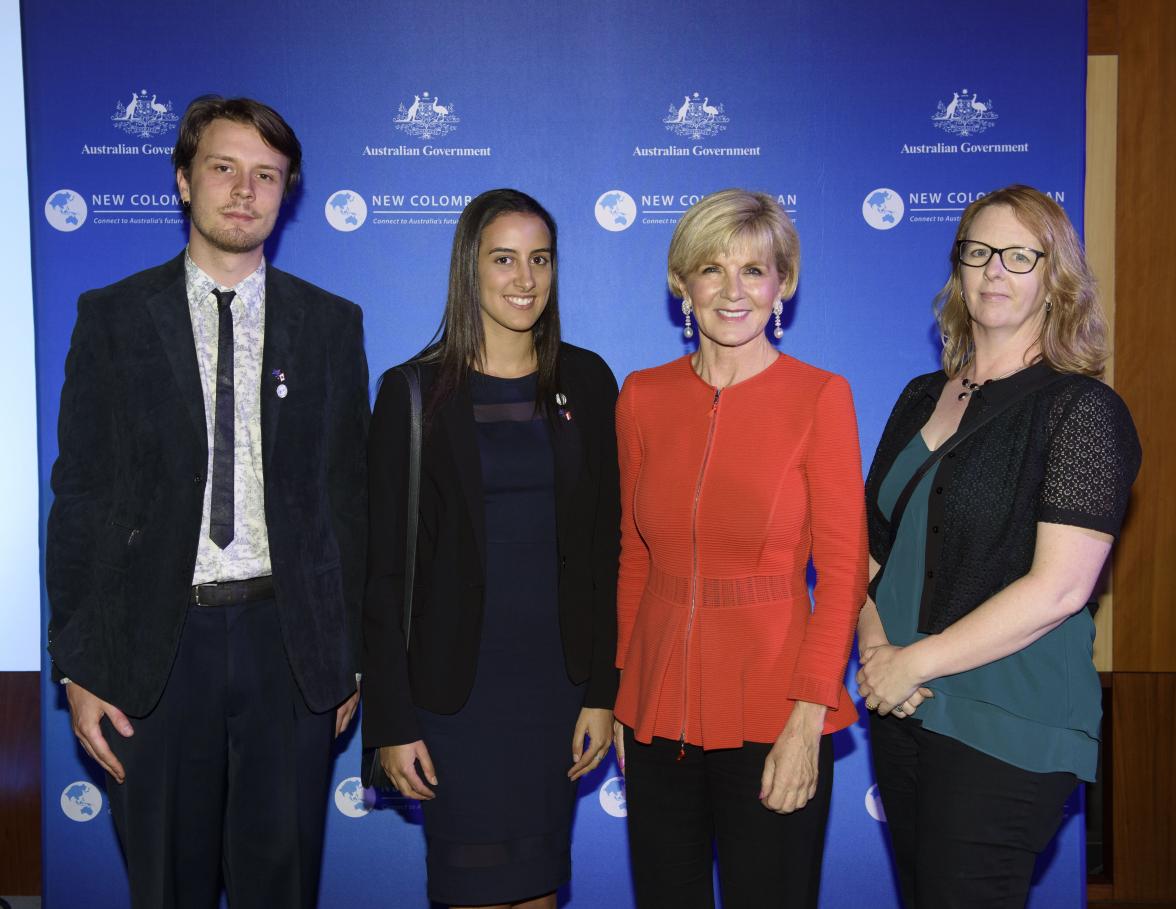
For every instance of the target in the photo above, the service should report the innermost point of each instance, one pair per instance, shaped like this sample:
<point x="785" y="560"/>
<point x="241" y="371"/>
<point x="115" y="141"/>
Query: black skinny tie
<point x="220" y="524"/>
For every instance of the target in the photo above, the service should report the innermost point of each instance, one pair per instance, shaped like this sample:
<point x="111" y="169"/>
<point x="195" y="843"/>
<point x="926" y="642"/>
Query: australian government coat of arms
<point x="695" y="117"/>
<point x="144" y="117"/>
<point x="427" y="117"/>
<point x="964" y="116"/>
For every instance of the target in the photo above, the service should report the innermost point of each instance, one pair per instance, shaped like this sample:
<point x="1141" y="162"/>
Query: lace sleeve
<point x="1092" y="459"/>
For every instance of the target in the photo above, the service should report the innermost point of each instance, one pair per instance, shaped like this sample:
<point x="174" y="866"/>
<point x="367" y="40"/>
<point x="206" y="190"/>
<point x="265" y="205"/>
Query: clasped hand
<point x="888" y="682"/>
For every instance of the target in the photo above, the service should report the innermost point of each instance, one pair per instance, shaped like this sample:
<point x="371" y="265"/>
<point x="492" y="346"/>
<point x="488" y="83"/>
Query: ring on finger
<point x="870" y="706"/>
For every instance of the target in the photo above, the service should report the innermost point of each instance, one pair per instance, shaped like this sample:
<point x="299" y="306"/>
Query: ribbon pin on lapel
<point x="281" y="391"/>
<point x="560" y="400"/>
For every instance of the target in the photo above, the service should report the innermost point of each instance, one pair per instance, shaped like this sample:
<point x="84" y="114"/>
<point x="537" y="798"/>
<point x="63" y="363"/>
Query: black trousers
<point x="227" y="778"/>
<point x="966" y="828"/>
<point x="682" y="812"/>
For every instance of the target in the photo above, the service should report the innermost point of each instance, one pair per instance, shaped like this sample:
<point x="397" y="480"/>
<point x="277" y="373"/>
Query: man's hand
<point x="344" y="712"/>
<point x="86" y="711"/>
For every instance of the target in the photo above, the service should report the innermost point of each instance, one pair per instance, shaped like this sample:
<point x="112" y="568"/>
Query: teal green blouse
<point x="1037" y="709"/>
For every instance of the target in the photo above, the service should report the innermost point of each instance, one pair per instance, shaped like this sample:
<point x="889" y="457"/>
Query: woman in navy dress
<point x="504" y="697"/>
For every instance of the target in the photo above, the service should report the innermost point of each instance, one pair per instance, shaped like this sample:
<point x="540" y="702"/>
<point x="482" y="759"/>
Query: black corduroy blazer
<point x="131" y="470"/>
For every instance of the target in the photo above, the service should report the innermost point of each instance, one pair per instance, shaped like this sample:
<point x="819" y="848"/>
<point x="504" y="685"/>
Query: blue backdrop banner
<point x="873" y="124"/>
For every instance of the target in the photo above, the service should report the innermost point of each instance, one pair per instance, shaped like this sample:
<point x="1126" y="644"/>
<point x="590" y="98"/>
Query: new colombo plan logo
<point x="873" y="801"/>
<point x="612" y="797"/>
<point x="346" y="211"/>
<point x="81" y="801"/>
<point x="883" y="208"/>
<point x="65" y="210"/>
<point x="615" y="210"/>
<point x="351" y="798"/>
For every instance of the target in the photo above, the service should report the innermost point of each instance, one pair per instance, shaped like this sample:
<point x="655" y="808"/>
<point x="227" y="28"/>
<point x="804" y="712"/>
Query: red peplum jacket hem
<point x="725" y="495"/>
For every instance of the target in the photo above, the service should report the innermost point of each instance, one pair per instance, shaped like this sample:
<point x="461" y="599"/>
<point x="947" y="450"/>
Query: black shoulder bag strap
<point x="953" y="442"/>
<point x="372" y="775"/>
<point x="413" y="502"/>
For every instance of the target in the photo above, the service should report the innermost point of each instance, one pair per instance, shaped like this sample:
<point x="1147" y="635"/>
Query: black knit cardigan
<point x="1066" y="453"/>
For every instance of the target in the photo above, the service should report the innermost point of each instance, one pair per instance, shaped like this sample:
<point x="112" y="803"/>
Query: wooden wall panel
<point x="1102" y="27"/>
<point x="1102" y="88"/>
<point x="1145" y="785"/>
<point x="20" y="783"/>
<point x="1145" y="330"/>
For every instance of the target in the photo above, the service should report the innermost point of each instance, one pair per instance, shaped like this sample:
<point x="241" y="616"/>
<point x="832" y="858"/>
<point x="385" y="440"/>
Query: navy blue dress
<point x="499" y="829"/>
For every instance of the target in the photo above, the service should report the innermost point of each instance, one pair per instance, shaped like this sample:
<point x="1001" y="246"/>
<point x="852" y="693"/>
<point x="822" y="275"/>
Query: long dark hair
<point x="459" y="344"/>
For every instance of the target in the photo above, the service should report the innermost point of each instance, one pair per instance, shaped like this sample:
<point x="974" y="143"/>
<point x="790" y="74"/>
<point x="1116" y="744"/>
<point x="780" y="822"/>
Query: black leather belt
<point x="233" y="593"/>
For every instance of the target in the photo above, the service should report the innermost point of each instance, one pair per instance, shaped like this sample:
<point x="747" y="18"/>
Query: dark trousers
<point x="227" y="778"/>
<point x="682" y="812"/>
<point x="966" y="828"/>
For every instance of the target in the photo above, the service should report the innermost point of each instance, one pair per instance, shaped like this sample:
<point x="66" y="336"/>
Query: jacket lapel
<point x="284" y="312"/>
<point x="169" y="312"/>
<point x="567" y="442"/>
<point x="457" y="416"/>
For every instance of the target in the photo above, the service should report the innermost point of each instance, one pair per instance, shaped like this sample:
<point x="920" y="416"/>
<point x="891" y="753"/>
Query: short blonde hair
<point x="722" y="220"/>
<point x="1074" y="334"/>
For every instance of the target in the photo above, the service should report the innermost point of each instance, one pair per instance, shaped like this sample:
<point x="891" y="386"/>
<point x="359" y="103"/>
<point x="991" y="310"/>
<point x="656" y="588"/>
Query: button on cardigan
<point x="725" y="494"/>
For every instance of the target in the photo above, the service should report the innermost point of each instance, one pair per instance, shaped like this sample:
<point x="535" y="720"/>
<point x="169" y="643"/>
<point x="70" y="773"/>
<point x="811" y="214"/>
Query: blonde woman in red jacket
<point x="738" y="464"/>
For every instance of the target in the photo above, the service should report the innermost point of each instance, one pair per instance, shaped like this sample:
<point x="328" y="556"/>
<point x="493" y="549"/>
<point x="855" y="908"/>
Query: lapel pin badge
<point x="281" y="390"/>
<point x="560" y="400"/>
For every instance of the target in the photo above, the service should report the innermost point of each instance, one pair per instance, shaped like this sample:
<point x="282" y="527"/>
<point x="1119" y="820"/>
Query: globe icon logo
<point x="346" y="211"/>
<point x="350" y="798"/>
<point x="612" y="796"/>
<point x="81" y="801"/>
<point x="65" y="210"/>
<point x="615" y="210"/>
<point x="874" y="804"/>
<point x="883" y="209"/>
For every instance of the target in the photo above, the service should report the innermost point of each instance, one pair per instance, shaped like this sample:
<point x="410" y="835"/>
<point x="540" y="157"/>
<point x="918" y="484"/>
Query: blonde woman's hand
<point x="619" y="742"/>
<point x="789" y="779"/>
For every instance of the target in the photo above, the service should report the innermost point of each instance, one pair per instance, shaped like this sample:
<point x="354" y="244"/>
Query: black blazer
<point x="438" y="673"/>
<point x="130" y="474"/>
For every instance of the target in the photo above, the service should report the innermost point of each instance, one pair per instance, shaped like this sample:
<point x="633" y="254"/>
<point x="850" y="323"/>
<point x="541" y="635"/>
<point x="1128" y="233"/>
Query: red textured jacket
<point x="724" y="497"/>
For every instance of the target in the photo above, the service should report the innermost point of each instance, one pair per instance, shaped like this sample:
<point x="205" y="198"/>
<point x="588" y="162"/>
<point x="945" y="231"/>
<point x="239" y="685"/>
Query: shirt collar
<point x="200" y="284"/>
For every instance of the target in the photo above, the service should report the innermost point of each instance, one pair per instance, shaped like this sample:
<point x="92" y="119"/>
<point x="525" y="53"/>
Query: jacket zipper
<point x="710" y="436"/>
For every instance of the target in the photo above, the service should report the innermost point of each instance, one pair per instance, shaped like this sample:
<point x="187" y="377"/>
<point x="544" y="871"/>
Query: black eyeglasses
<point x="1020" y="260"/>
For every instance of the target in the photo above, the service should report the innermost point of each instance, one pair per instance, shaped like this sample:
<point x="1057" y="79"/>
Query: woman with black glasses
<point x="994" y="497"/>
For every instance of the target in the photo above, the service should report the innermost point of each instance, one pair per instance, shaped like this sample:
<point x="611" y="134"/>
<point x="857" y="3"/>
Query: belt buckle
<point x="198" y="589"/>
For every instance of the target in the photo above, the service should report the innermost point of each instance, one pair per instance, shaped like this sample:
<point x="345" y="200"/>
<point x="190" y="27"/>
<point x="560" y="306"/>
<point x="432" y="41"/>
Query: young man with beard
<point x="206" y="542"/>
